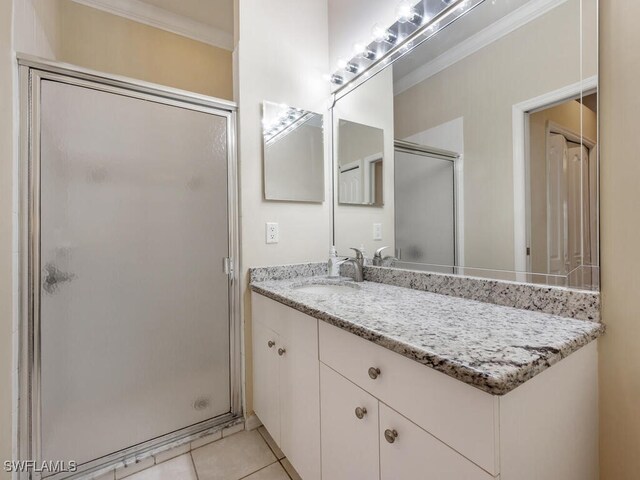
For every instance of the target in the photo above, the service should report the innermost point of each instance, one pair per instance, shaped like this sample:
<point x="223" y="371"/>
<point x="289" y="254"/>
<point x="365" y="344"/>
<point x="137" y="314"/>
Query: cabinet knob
<point x="390" y="435"/>
<point x="361" y="412"/>
<point x="374" y="372"/>
<point x="271" y="343"/>
<point x="281" y="351"/>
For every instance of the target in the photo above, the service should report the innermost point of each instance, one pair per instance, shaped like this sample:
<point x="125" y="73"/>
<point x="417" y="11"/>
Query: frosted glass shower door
<point x="424" y="209"/>
<point x="134" y="305"/>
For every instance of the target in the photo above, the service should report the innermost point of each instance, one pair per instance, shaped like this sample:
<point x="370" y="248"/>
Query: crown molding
<point x="507" y="24"/>
<point x="153" y="16"/>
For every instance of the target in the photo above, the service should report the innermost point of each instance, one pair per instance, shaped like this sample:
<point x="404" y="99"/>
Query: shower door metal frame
<point x="32" y="71"/>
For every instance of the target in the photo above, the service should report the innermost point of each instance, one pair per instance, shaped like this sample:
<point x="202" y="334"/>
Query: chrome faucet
<point x="358" y="265"/>
<point x="378" y="259"/>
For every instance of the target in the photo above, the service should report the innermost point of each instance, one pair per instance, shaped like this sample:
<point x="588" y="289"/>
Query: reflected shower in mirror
<point x="490" y="146"/>
<point x="360" y="162"/>
<point x="293" y="148"/>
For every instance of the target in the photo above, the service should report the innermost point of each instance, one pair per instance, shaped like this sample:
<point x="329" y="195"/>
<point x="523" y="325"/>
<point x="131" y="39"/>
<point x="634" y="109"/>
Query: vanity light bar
<point x="415" y="22"/>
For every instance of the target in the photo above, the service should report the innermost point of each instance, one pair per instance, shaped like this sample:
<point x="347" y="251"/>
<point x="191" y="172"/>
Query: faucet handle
<point x="378" y="253"/>
<point x="359" y="253"/>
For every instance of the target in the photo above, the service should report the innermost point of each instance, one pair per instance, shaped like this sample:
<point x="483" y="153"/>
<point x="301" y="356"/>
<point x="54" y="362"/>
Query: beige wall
<point x="620" y="231"/>
<point x="6" y="218"/>
<point x="90" y="38"/>
<point x="482" y="88"/>
<point x="282" y="60"/>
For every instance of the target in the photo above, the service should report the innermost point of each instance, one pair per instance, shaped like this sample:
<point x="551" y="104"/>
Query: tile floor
<point x="246" y="455"/>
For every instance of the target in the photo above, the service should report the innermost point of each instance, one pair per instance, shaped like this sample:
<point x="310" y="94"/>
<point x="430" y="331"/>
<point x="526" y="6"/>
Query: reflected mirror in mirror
<point x="360" y="162"/>
<point x="293" y="149"/>
<point x="490" y="146"/>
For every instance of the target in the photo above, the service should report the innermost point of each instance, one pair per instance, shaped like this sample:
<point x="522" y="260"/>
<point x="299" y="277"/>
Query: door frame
<point x="32" y="71"/>
<point x="520" y="128"/>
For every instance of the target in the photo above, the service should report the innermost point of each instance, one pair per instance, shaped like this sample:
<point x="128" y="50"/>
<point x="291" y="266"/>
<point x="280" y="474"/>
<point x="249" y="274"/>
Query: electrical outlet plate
<point x="377" y="231"/>
<point x="272" y="233"/>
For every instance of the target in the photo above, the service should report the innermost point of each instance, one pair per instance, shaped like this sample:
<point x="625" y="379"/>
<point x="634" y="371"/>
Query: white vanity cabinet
<point x="344" y="408"/>
<point x="286" y="387"/>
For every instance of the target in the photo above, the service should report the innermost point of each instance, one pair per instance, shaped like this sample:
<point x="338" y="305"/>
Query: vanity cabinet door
<point x="349" y="438"/>
<point x="266" y="377"/>
<point x="299" y="392"/>
<point x="408" y="452"/>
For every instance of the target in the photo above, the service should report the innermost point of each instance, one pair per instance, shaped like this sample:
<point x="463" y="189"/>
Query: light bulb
<point x="337" y="79"/>
<point x="381" y="34"/>
<point x="359" y="48"/>
<point x="362" y="50"/>
<point x="406" y="12"/>
<point x="342" y="63"/>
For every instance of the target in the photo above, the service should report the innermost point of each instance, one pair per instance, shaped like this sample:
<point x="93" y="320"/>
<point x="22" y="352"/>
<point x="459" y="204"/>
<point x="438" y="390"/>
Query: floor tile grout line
<point x="193" y="462"/>
<point x="260" y="469"/>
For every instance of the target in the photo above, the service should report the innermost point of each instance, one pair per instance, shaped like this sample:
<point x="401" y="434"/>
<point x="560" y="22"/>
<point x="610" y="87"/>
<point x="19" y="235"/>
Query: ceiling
<point x="213" y="13"/>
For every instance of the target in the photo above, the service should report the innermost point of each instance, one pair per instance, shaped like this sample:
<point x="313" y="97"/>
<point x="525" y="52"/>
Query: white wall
<point x="371" y="104"/>
<point x="281" y="60"/>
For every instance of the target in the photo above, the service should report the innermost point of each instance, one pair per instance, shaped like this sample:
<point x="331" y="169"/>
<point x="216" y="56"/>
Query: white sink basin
<point x="322" y="289"/>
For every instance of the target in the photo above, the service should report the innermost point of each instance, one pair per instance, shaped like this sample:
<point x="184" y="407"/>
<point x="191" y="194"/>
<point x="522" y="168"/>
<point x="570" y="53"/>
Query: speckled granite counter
<point x="492" y="347"/>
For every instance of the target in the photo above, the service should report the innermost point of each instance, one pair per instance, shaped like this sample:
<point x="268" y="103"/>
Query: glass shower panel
<point x="134" y="303"/>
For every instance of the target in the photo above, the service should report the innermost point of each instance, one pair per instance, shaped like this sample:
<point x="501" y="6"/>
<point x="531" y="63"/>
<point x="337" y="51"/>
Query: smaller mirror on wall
<point x="293" y="149"/>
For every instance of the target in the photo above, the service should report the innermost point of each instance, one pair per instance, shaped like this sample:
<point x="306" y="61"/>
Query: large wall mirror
<point x="488" y="138"/>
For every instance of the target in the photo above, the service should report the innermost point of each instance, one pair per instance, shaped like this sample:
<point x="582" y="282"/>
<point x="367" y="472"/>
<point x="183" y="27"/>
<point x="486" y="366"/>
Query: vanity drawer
<point x="458" y="414"/>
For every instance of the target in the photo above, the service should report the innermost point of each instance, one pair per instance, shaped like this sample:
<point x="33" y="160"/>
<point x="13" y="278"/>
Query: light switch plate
<point x="272" y="233"/>
<point x="377" y="231"/>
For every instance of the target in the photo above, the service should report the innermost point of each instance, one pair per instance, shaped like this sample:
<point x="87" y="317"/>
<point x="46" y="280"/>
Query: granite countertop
<point x="491" y="347"/>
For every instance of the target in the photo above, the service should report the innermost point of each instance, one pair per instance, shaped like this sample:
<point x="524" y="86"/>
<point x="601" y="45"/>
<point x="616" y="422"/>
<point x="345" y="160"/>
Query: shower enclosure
<point x="129" y="307"/>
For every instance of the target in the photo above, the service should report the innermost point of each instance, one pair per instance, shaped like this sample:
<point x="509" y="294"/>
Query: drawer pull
<point x="390" y="435"/>
<point x="281" y="351"/>
<point x="361" y="412"/>
<point x="271" y="343"/>
<point x="374" y="372"/>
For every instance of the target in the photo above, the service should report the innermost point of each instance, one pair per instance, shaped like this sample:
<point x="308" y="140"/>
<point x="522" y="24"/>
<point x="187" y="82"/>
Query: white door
<point x="266" y="377"/>
<point x="407" y="453"/>
<point x="570" y="220"/>
<point x="350" y="182"/>
<point x="349" y="438"/>
<point x="557" y="154"/>
<point x="134" y="305"/>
